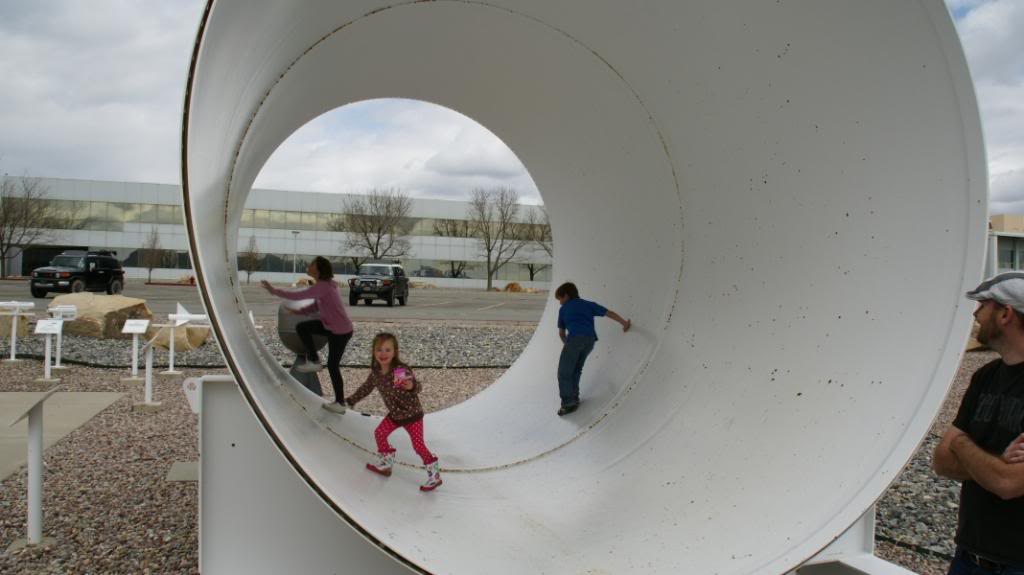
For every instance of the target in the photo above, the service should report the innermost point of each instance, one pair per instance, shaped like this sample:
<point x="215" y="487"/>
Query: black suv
<point x="379" y="280"/>
<point x="72" y="272"/>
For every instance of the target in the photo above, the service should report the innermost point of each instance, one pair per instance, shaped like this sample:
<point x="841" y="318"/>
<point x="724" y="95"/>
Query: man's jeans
<point x="961" y="565"/>
<point x="570" y="367"/>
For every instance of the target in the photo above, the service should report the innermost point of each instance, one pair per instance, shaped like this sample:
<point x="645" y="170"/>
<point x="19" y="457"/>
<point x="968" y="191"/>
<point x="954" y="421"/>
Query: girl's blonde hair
<point x="379" y="339"/>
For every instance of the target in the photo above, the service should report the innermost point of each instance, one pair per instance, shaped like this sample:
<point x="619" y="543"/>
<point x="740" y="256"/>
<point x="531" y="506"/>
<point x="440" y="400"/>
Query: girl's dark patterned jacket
<point x="403" y="406"/>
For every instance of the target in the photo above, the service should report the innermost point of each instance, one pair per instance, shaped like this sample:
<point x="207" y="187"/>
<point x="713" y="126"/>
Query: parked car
<point x="379" y="280"/>
<point x="76" y="271"/>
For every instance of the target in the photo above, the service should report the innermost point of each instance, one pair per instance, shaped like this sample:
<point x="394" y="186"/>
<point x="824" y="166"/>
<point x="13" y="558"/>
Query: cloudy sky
<point x="94" y="88"/>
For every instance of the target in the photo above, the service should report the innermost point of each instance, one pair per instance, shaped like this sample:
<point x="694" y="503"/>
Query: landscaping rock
<point x="5" y="326"/>
<point x="100" y="315"/>
<point x="186" y="337"/>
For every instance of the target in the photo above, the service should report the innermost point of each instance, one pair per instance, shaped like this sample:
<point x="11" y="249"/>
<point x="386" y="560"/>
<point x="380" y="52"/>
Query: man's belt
<point x="985" y="562"/>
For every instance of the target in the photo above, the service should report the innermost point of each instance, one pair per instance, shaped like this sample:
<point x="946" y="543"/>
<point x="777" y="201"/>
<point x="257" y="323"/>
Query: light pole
<point x="295" y="248"/>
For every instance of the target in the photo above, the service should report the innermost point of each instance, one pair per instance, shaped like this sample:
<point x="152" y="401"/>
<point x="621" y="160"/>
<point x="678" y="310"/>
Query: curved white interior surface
<point x="788" y="198"/>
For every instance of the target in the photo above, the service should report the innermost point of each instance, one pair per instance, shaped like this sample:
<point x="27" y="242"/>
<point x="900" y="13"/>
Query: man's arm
<point x="625" y="322"/>
<point x="1005" y="480"/>
<point x="944" y="461"/>
<point x="561" y="333"/>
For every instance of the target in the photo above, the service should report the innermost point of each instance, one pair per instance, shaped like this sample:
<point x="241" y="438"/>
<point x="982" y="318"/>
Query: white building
<point x="289" y="228"/>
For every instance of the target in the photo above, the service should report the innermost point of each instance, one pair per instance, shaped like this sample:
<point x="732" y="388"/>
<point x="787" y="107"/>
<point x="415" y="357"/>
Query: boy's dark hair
<point x="569" y="289"/>
<point x="323" y="267"/>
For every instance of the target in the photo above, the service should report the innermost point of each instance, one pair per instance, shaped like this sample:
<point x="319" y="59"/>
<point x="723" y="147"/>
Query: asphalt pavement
<point x="423" y="303"/>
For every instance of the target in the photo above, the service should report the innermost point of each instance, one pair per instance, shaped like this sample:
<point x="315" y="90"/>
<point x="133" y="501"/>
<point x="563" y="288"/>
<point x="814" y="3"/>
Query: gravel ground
<point x="434" y="344"/>
<point x="112" y="512"/>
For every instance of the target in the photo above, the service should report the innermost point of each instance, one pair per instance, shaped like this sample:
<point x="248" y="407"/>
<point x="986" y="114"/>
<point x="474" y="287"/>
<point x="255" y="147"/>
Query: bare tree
<point x="537" y="231"/>
<point x="453" y="229"/>
<point x="492" y="219"/>
<point x="27" y="218"/>
<point x="376" y="225"/>
<point x="151" y="255"/>
<point x="251" y="259"/>
<point x="540" y="226"/>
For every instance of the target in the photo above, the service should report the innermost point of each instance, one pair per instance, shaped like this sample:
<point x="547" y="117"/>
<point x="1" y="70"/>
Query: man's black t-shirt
<point x="992" y="414"/>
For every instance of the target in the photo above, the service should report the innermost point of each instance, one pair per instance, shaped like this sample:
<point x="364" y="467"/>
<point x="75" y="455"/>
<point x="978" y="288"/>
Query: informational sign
<point x="16" y="305"/>
<point x="49" y="326"/>
<point x="135" y="326"/>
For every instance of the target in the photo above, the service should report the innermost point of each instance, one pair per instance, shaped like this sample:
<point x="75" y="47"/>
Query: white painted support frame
<point x="262" y="527"/>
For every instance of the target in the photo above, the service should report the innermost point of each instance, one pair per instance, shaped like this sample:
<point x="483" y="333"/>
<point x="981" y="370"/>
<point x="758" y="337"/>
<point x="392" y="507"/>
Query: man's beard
<point x="988" y="333"/>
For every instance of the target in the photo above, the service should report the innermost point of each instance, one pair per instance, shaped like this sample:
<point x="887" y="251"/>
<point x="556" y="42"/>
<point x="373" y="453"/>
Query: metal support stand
<point x="135" y="355"/>
<point x="136" y="327"/>
<point x="15" y="311"/>
<point x="170" y="355"/>
<point x="48" y="328"/>
<point x="47" y="375"/>
<point x="309" y="380"/>
<point x="14" y="336"/>
<point x="57" y="353"/>
<point x="65" y="313"/>
<point x="35" y="476"/>
<point x="148" y="405"/>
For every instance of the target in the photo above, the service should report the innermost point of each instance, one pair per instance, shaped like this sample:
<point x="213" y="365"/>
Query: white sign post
<point x="15" y="309"/>
<point x="136" y="327"/>
<point x="147" y="403"/>
<point x="67" y="313"/>
<point x="35" y="475"/>
<point x="179" y="318"/>
<point x="49" y="328"/>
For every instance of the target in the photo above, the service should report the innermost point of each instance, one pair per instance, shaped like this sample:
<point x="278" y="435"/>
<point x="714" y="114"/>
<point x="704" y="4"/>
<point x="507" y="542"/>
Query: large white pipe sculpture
<point x="787" y="198"/>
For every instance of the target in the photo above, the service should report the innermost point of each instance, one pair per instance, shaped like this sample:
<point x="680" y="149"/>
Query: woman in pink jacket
<point x="334" y="323"/>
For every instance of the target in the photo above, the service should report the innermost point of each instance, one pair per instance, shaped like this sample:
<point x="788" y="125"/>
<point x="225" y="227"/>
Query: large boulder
<point x="186" y="337"/>
<point x="5" y="326"/>
<point x="100" y="315"/>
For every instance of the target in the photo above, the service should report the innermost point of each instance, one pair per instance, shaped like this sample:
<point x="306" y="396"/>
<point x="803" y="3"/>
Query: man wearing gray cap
<point x="984" y="447"/>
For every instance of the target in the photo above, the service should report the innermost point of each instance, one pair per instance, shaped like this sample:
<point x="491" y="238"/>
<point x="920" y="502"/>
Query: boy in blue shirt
<point x="577" y="317"/>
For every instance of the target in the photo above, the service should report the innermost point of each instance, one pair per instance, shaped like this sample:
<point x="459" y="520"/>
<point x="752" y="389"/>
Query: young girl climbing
<point x="399" y="389"/>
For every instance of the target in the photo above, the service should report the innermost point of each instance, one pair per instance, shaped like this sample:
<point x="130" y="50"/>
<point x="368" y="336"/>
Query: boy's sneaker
<point x="334" y="407"/>
<point x="433" y="477"/>
<point x="385" y="461"/>
<point x="567" y="409"/>
<point x="307" y="366"/>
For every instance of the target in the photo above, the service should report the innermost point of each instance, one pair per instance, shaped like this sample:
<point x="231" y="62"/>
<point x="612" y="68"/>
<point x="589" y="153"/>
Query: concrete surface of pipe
<point x="788" y="199"/>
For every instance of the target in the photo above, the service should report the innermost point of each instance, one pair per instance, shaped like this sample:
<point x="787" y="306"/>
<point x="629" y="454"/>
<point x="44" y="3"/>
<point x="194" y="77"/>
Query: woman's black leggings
<point x="335" y="349"/>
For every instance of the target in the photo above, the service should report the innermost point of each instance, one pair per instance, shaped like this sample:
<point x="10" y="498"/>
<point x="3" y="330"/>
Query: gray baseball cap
<point x="1006" y="288"/>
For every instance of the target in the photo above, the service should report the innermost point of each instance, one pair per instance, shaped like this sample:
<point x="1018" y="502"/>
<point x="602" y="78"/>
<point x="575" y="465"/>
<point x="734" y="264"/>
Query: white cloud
<point x="94" y="89"/>
<point x="992" y="34"/>
<point x="424" y="149"/>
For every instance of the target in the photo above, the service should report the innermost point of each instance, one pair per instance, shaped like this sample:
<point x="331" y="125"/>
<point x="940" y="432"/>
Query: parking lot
<point x="425" y="303"/>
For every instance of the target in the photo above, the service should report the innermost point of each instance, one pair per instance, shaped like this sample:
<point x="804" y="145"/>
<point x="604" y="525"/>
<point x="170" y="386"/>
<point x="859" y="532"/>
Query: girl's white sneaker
<point x="433" y="477"/>
<point x="385" y="461"/>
